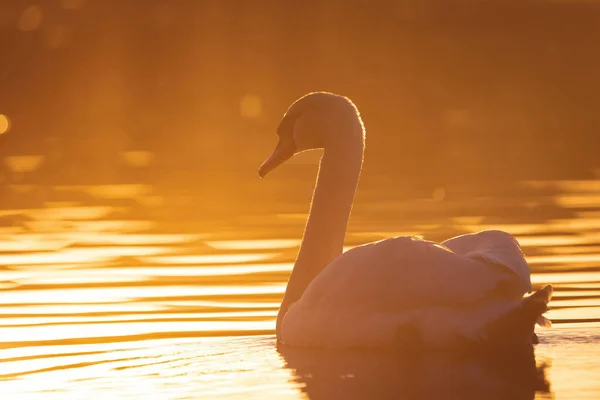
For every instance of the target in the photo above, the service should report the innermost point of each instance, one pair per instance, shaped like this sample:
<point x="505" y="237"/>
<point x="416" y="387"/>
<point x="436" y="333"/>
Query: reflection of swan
<point x="397" y="291"/>
<point x="368" y="374"/>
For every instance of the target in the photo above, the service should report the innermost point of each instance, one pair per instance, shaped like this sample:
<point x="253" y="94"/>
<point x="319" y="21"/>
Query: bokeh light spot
<point x="31" y="18"/>
<point x="459" y="118"/>
<point x="250" y="106"/>
<point x="22" y="164"/>
<point x="439" y="194"/>
<point x="57" y="36"/>
<point x="137" y="158"/>
<point x="4" y="124"/>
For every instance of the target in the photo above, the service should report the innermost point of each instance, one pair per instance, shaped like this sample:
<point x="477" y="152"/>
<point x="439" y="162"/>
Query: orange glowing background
<point x="140" y="255"/>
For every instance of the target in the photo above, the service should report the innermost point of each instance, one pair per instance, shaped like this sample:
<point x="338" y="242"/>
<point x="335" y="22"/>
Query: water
<point x="127" y="291"/>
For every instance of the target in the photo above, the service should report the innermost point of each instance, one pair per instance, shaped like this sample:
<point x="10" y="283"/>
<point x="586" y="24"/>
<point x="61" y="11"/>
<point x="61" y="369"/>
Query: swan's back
<point x="371" y="293"/>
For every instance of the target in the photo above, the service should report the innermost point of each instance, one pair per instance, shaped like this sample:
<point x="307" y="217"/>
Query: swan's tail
<point x="517" y="326"/>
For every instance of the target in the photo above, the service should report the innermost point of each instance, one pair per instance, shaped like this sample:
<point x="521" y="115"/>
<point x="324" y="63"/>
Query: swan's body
<point x="403" y="290"/>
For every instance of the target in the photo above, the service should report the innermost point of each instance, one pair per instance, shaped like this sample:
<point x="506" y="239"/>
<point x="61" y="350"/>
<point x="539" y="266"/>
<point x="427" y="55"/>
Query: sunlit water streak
<point x="95" y="303"/>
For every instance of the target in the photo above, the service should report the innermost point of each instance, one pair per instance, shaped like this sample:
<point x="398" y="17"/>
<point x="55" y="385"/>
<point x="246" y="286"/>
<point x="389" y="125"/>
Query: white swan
<point x="402" y="290"/>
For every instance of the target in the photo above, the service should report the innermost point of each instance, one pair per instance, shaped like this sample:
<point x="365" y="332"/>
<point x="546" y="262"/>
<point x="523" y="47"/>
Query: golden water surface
<point x="105" y="295"/>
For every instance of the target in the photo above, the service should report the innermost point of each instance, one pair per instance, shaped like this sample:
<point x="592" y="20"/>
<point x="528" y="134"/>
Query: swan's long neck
<point x="323" y="238"/>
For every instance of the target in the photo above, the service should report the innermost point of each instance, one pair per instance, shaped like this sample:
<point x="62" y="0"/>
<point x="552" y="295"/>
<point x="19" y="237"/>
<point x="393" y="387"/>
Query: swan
<point x="401" y="291"/>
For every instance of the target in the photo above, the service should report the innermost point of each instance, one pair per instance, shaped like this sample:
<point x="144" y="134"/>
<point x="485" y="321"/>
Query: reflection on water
<point x="104" y="294"/>
<point x="326" y="374"/>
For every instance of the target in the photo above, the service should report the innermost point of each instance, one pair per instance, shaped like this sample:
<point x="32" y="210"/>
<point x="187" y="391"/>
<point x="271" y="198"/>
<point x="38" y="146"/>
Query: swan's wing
<point x="407" y="273"/>
<point x="497" y="247"/>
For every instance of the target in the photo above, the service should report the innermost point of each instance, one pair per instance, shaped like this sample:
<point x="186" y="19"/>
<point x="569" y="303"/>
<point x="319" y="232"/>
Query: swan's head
<point x="315" y="121"/>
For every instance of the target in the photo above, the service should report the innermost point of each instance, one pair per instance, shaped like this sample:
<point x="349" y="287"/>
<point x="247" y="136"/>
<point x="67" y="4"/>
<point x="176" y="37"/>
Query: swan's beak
<point x="284" y="150"/>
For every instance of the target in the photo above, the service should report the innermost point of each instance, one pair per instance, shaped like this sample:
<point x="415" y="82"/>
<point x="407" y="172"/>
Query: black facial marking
<point x="286" y="126"/>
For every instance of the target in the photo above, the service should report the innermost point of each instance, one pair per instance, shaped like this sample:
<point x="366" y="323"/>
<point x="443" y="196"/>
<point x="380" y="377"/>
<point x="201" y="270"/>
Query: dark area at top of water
<point x="459" y="91"/>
